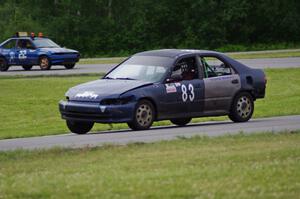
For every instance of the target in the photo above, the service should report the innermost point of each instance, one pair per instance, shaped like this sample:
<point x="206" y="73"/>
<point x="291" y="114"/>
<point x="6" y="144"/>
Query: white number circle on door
<point x="185" y="94"/>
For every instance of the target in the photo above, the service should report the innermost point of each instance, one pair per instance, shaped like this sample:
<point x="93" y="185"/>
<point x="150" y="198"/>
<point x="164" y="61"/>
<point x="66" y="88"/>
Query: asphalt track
<point x="274" y="124"/>
<point x="290" y="62"/>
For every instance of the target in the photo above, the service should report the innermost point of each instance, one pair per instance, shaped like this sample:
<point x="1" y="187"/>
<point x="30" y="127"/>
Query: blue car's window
<point x="24" y="43"/>
<point x="10" y="44"/>
<point x="144" y="68"/>
<point x="45" y="43"/>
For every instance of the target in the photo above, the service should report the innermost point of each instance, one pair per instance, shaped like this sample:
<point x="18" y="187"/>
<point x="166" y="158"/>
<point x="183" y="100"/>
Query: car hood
<point x="59" y="50"/>
<point x="104" y="88"/>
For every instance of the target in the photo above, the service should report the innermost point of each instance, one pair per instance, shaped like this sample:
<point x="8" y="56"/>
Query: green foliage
<point x="118" y="28"/>
<point x="261" y="166"/>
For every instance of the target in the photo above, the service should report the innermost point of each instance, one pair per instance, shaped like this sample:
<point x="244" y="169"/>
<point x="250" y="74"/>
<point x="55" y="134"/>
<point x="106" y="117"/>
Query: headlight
<point x="117" y="101"/>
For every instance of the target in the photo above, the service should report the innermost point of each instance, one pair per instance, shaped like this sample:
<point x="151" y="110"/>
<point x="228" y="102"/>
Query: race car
<point x="168" y="84"/>
<point x="28" y="50"/>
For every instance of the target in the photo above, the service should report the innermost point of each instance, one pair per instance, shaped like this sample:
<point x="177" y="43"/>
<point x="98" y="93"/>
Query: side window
<point x="24" y="44"/>
<point x="10" y="44"/>
<point x="185" y="69"/>
<point x="214" y="67"/>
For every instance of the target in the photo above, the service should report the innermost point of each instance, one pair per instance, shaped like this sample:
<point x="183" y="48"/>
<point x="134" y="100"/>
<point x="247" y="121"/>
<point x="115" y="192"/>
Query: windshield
<point x="144" y="68"/>
<point x="45" y="43"/>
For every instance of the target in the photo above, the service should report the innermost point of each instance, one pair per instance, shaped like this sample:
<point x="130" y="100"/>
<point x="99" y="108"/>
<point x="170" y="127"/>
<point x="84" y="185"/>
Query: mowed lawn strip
<point x="237" y="55"/>
<point x="242" y="166"/>
<point x="29" y="106"/>
<point x="258" y="55"/>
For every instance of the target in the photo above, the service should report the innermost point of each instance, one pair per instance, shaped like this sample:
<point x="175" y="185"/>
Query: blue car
<point x="169" y="84"/>
<point x="27" y="51"/>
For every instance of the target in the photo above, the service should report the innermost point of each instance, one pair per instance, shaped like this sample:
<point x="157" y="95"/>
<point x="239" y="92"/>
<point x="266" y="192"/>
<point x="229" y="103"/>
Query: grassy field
<point x="244" y="55"/>
<point x="29" y="106"/>
<point x="258" y="55"/>
<point x="242" y="166"/>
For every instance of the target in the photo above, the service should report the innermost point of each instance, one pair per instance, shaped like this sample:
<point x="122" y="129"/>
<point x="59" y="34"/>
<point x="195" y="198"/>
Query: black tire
<point x="181" y="121"/>
<point x="3" y="64"/>
<point x="27" y="67"/>
<point x="69" y="66"/>
<point x="79" y="127"/>
<point x="242" y="107"/>
<point x="143" y="116"/>
<point x="45" y="63"/>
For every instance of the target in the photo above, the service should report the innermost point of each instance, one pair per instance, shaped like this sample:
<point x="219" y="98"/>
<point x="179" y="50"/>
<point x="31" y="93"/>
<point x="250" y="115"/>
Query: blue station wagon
<point x="27" y="51"/>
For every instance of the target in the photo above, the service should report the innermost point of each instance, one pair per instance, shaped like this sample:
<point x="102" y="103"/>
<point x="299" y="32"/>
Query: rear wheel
<point x="242" y="108"/>
<point x="3" y="64"/>
<point x="79" y="127"/>
<point x="69" y="66"/>
<point x="181" y="121"/>
<point x="143" y="116"/>
<point x="45" y="63"/>
<point x="27" y="67"/>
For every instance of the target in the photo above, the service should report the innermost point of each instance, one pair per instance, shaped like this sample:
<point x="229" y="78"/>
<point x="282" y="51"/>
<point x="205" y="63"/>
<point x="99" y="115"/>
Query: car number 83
<point x="187" y="92"/>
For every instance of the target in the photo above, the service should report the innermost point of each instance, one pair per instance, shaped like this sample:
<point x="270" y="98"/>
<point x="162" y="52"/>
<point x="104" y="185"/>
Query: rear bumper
<point x="94" y="112"/>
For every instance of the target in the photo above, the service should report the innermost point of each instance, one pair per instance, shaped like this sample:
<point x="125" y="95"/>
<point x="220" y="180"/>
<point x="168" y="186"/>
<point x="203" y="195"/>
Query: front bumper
<point x="64" y="59"/>
<point x="94" y="112"/>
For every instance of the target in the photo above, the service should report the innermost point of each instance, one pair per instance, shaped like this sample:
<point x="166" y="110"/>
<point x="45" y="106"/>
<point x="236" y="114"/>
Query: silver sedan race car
<point x="168" y="84"/>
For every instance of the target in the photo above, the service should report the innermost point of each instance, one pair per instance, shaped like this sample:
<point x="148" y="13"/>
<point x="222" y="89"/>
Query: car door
<point x="9" y="51"/>
<point x="184" y="89"/>
<point x="221" y="84"/>
<point x="26" y="52"/>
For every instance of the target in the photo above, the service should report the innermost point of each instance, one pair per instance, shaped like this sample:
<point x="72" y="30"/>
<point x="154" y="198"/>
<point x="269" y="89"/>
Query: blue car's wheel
<point x="27" y="67"/>
<point x="3" y="64"/>
<point x="69" y="66"/>
<point x="143" y="116"/>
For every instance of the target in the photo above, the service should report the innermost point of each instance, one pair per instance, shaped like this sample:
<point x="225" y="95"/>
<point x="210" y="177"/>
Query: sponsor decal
<point x="87" y="94"/>
<point x="11" y="56"/>
<point x="177" y="84"/>
<point x="170" y="88"/>
<point x="102" y="108"/>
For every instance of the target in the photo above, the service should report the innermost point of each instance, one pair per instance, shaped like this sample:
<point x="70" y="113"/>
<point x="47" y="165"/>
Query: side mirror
<point x="174" y="78"/>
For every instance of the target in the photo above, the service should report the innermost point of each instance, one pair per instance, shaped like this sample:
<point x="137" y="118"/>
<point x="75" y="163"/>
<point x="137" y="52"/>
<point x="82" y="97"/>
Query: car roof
<point x="173" y="53"/>
<point x="28" y="38"/>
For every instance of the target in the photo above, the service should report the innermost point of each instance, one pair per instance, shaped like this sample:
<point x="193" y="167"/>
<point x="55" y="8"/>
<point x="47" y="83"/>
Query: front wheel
<point x="79" y="127"/>
<point x="242" y="108"/>
<point x="69" y="66"/>
<point x="181" y="121"/>
<point x="3" y="65"/>
<point x="27" y="67"/>
<point x="143" y="116"/>
<point x="45" y="63"/>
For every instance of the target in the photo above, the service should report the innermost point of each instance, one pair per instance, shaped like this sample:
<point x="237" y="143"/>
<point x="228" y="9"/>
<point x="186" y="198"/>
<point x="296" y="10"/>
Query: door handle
<point x="235" y="81"/>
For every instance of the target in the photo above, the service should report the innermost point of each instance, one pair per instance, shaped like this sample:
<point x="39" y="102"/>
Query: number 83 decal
<point x="187" y="92"/>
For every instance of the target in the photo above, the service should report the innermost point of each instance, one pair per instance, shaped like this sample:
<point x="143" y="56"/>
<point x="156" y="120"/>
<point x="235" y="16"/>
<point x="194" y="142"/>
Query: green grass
<point x="243" y="55"/>
<point x="29" y="106"/>
<point x="242" y="166"/>
<point x="113" y="60"/>
<point x="264" y="55"/>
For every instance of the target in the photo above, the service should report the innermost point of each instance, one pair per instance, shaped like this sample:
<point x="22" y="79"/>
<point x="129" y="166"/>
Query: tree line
<point x="120" y="27"/>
